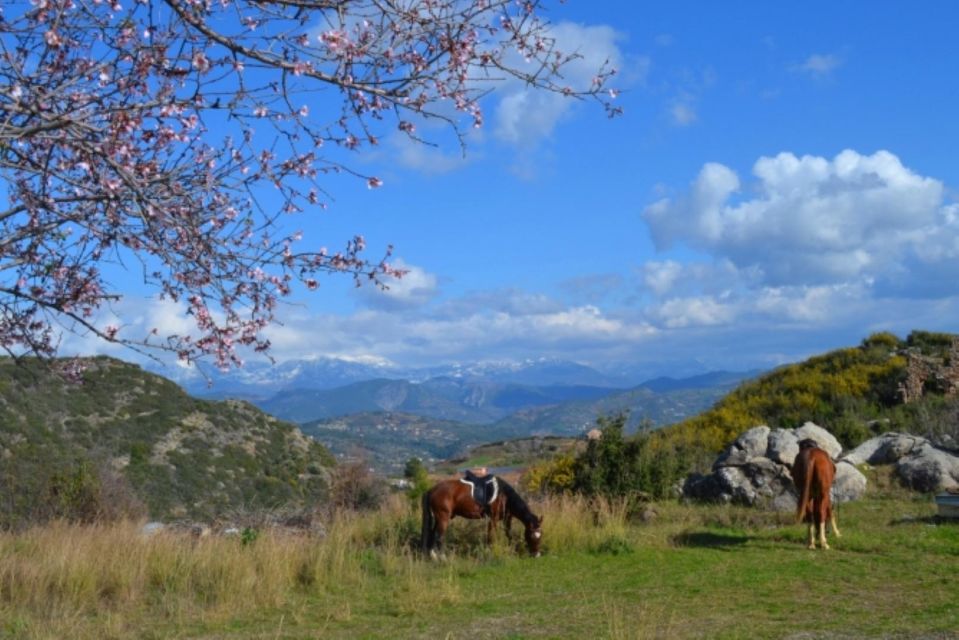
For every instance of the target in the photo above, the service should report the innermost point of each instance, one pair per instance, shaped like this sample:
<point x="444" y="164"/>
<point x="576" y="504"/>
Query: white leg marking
<point x="835" y="529"/>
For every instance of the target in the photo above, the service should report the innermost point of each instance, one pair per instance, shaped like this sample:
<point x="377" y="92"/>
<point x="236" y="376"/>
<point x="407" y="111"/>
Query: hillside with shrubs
<point x="124" y="442"/>
<point x="885" y="384"/>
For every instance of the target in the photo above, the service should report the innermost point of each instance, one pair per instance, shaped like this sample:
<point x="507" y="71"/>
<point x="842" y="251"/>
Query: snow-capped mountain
<point x="260" y="379"/>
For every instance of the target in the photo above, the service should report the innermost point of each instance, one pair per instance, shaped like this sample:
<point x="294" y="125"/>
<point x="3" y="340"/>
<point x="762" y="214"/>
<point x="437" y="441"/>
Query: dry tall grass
<point x="103" y="581"/>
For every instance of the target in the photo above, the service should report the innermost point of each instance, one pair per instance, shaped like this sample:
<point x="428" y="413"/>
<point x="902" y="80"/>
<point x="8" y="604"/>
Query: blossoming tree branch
<point x="175" y="137"/>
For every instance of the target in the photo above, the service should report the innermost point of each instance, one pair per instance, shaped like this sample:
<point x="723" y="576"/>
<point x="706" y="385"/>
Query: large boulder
<point x="750" y="445"/>
<point x="783" y="446"/>
<point x="758" y="482"/>
<point x="927" y="468"/>
<point x="888" y="448"/>
<point x="849" y="483"/>
<point x="755" y="470"/>
<point x="825" y="440"/>
<point x="920" y="464"/>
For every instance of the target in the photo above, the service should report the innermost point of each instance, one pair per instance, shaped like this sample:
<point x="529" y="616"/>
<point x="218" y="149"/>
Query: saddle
<point x="483" y="489"/>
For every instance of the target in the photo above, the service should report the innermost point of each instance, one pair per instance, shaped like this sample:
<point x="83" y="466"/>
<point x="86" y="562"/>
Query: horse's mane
<point x="514" y="503"/>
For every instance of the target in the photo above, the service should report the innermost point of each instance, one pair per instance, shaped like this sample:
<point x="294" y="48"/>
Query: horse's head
<point x="534" y="535"/>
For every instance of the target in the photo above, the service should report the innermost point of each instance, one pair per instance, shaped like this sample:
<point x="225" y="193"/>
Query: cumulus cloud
<point x="698" y="311"/>
<point x="475" y="332"/>
<point x="416" y="288"/>
<point x="135" y="318"/>
<point x="661" y="277"/>
<point x="811" y="220"/>
<point x="524" y="116"/>
<point x="834" y="248"/>
<point x="518" y="115"/>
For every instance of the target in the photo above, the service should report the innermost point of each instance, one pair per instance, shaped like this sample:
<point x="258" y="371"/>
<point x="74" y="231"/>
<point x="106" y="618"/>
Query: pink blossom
<point x="152" y="153"/>
<point x="200" y="62"/>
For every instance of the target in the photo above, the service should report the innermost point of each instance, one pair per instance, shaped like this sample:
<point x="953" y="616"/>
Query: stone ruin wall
<point x="921" y="369"/>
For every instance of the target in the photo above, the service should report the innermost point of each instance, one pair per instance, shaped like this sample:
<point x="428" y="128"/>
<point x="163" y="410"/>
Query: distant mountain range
<point x="473" y="402"/>
<point x="387" y="414"/>
<point x="259" y="380"/>
<point x="388" y="421"/>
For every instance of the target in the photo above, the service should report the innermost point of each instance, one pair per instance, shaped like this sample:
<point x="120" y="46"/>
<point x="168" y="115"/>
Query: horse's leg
<point x="442" y="522"/>
<point x="832" y="521"/>
<point x="507" y="524"/>
<point x="429" y="524"/>
<point x="822" y="510"/>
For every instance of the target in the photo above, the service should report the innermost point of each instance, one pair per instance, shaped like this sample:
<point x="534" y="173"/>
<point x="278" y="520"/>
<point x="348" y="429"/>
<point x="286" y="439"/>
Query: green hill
<point x="884" y="384"/>
<point x="386" y="440"/>
<point x="643" y="406"/>
<point x="125" y="434"/>
<point x="853" y="392"/>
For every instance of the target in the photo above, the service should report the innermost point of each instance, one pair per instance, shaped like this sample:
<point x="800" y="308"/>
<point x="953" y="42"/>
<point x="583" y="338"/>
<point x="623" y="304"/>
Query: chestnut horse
<point x="813" y="472"/>
<point x="450" y="498"/>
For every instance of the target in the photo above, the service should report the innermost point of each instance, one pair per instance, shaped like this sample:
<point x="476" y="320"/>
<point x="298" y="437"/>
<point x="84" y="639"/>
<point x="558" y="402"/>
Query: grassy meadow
<point x="690" y="572"/>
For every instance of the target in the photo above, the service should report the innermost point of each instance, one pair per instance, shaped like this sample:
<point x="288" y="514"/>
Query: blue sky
<point x="782" y="182"/>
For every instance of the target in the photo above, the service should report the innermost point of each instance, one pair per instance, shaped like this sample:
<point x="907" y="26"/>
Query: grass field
<point x="692" y="572"/>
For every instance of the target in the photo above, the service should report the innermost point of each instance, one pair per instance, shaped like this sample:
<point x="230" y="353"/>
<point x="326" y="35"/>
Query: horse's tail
<point x="426" y="536"/>
<point x="805" y="494"/>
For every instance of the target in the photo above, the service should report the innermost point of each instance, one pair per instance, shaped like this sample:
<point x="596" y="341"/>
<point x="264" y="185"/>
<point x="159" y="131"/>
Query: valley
<point x="387" y="421"/>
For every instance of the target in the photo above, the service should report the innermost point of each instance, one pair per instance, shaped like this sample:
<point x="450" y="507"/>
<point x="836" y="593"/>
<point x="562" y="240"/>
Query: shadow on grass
<point x="709" y="540"/>
<point x="936" y="520"/>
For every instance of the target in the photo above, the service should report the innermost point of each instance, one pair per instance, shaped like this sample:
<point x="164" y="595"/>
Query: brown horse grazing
<point x="813" y="472"/>
<point x="450" y="498"/>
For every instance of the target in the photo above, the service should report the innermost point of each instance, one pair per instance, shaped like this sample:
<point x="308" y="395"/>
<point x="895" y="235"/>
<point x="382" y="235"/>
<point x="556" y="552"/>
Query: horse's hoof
<point x="434" y="555"/>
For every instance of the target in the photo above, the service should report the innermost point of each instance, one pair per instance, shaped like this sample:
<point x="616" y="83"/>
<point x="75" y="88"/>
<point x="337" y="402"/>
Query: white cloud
<point x="819" y="65"/>
<point x="671" y="278"/>
<point x="813" y="305"/>
<point x="661" y="277"/>
<point x="417" y="287"/>
<point x="426" y="158"/>
<point x="814" y="251"/>
<point x="810" y="220"/>
<point x="683" y="114"/>
<point x="476" y="332"/>
<point x="524" y="116"/>
<point x="135" y="318"/>
<point x="702" y="311"/>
